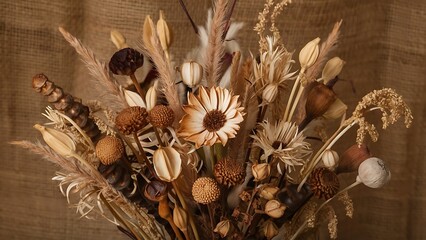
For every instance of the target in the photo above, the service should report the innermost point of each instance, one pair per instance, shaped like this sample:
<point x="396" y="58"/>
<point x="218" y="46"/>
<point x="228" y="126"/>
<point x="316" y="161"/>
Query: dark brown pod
<point x="155" y="191"/>
<point x="66" y="104"/>
<point x="118" y="176"/>
<point x="125" y="61"/>
<point x="352" y="158"/>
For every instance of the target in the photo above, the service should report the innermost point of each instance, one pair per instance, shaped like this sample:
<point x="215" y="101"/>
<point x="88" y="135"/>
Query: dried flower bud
<point x="131" y="120"/>
<point x="180" y="218"/>
<point x="330" y="158"/>
<point x="261" y="171"/>
<point x="336" y="110"/>
<point x="151" y="97"/>
<point x="268" y="192"/>
<point x="274" y="209"/>
<point x="161" y="116"/>
<point x="60" y="142"/>
<point x="309" y="53"/>
<point x="191" y="73"/>
<point x="167" y="163"/>
<point x="125" y="61"/>
<point x="352" y="158"/>
<point x="109" y="149"/>
<point x="270" y="93"/>
<point x="163" y="32"/>
<point x="148" y="32"/>
<point x="332" y="68"/>
<point x="229" y="172"/>
<point x="223" y="228"/>
<point x="155" y="191"/>
<point x="134" y="99"/>
<point x="373" y="173"/>
<point x="205" y="190"/>
<point x="319" y="99"/>
<point x="269" y="229"/>
<point x="118" y="39"/>
<point x="324" y="183"/>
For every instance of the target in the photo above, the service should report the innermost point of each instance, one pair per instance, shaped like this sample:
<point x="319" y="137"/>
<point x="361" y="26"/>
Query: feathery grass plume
<point x="152" y="45"/>
<point x="215" y="48"/>
<point x="326" y="47"/>
<point x="234" y="71"/>
<point x="105" y="83"/>
<point x="276" y="12"/>
<point x="83" y="179"/>
<point x="260" y="26"/>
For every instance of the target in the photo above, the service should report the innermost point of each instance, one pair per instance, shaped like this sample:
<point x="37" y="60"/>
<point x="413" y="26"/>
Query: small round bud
<point x="269" y="192"/>
<point x="109" y="150"/>
<point x="274" y="209"/>
<point x="270" y="93"/>
<point x="191" y="73"/>
<point x="161" y="116"/>
<point x="330" y="158"/>
<point x="269" y="229"/>
<point x="223" y="228"/>
<point x="261" y="171"/>
<point x="205" y="190"/>
<point x="373" y="173"/>
<point x="126" y="61"/>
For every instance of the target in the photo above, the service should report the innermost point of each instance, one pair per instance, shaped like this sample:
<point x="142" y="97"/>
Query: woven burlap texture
<point x="382" y="43"/>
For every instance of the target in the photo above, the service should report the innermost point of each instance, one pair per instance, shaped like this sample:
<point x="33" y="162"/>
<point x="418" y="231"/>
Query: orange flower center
<point x="214" y="120"/>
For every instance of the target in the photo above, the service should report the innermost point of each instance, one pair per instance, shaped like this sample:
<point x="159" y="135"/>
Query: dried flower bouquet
<point x="219" y="146"/>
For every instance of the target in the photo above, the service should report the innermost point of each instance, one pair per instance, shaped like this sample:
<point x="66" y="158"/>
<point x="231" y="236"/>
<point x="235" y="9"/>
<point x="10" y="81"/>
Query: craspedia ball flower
<point x="131" y="119"/>
<point x="125" y="61"/>
<point x="229" y="172"/>
<point x="324" y="183"/>
<point x="109" y="150"/>
<point x="211" y="117"/>
<point x="161" y="116"/>
<point x="205" y="190"/>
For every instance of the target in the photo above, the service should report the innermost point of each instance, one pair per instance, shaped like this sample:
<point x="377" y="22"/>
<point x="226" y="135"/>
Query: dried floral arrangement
<point x="219" y="146"/>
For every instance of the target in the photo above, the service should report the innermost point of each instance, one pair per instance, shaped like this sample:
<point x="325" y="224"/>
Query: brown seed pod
<point x="205" y="190"/>
<point x="161" y="116"/>
<point x="65" y="103"/>
<point x="131" y="119"/>
<point x="118" y="176"/>
<point x="125" y="61"/>
<point x="324" y="183"/>
<point x="352" y="158"/>
<point x="229" y="172"/>
<point x="109" y="150"/>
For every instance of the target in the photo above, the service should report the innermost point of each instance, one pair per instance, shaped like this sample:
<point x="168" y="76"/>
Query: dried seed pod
<point x="205" y="190"/>
<point x="126" y="61"/>
<point x="269" y="229"/>
<point x="191" y="73"/>
<point x="268" y="192"/>
<point x="373" y="173"/>
<point x="229" y="172"/>
<point x="131" y="119"/>
<point x="223" y="228"/>
<point x="109" y="150"/>
<point x="155" y="191"/>
<point x="161" y="116"/>
<point x="118" y="176"/>
<point x="352" y="158"/>
<point x="275" y="209"/>
<point x="324" y="183"/>
<point x="65" y="103"/>
<point x="330" y="158"/>
<point x="261" y="171"/>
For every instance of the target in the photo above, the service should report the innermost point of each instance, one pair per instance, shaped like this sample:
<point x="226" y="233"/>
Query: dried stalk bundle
<point x="227" y="151"/>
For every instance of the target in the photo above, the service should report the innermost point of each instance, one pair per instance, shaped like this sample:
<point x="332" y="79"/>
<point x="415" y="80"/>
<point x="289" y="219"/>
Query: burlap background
<point x="382" y="42"/>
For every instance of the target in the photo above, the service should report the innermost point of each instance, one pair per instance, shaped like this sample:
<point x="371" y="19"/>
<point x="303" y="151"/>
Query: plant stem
<point x="185" y="207"/>
<point x="138" y="87"/>
<point x="296" y="101"/>
<point x="293" y="90"/>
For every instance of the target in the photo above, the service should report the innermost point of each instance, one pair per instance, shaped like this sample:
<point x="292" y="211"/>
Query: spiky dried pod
<point x="131" y="119"/>
<point x="66" y="104"/>
<point x="205" y="190"/>
<point x="324" y="183"/>
<point x="229" y="172"/>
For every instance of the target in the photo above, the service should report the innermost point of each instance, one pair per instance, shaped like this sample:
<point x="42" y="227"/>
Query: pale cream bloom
<point x="283" y="141"/>
<point x="211" y="117"/>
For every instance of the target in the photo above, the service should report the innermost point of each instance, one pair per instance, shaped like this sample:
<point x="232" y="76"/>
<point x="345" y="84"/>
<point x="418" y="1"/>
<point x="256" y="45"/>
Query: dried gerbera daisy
<point x="229" y="172"/>
<point x="282" y="140"/>
<point x="211" y="117"/>
<point x="324" y="183"/>
<point x="131" y="119"/>
<point x="205" y="190"/>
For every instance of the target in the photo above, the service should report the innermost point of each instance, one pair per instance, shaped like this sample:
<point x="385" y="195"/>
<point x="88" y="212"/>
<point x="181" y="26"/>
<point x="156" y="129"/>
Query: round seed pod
<point x="205" y="190"/>
<point x="161" y="116"/>
<point x="125" y="61"/>
<point x="109" y="150"/>
<point x="131" y="119"/>
<point x="352" y="158"/>
<point x="324" y="183"/>
<point x="373" y="173"/>
<point x="229" y="172"/>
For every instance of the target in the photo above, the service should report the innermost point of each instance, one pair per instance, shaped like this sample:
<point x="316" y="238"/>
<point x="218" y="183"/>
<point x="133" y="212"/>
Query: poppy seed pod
<point x="319" y="99"/>
<point x="309" y="53"/>
<point x="191" y="73"/>
<point x="125" y="61"/>
<point x="352" y="158"/>
<point x="373" y="173"/>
